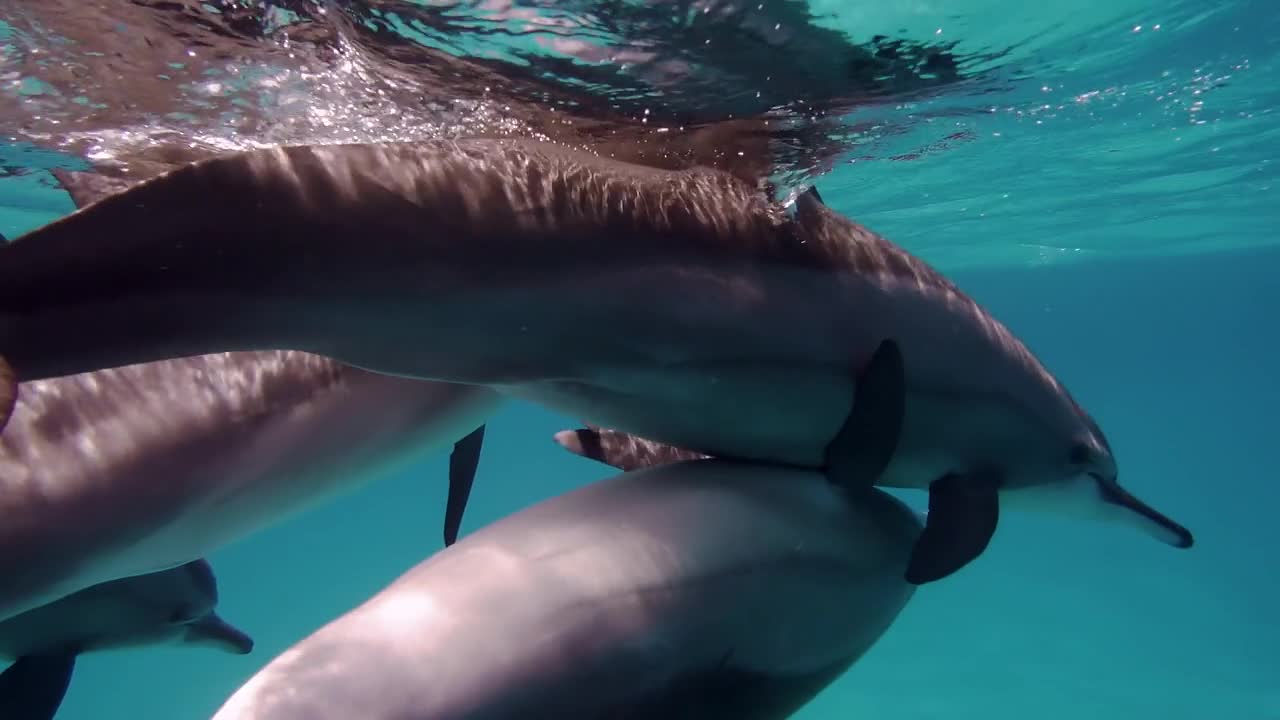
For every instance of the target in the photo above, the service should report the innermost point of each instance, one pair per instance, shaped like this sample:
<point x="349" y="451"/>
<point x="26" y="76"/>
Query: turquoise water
<point x="1115" y="207"/>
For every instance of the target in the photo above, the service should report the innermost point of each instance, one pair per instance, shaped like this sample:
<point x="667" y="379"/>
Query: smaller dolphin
<point x="175" y="606"/>
<point x="133" y="470"/>
<point x="639" y="596"/>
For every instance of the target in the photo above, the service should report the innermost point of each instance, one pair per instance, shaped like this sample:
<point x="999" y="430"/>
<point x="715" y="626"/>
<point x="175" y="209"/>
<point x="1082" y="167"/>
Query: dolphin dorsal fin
<point x="87" y="188"/>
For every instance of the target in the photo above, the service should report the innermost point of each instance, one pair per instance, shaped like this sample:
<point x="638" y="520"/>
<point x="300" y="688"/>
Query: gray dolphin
<point x="167" y="607"/>
<point x="683" y="306"/>
<point x="135" y="469"/>
<point x="706" y="589"/>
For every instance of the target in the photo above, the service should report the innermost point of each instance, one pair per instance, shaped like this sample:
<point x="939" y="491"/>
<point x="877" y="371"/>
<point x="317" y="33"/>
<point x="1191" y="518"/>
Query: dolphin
<point x="686" y="307"/>
<point x="637" y="596"/>
<point x="136" y="469"/>
<point x="166" y="607"/>
<point x="85" y="188"/>
<point x="131" y="470"/>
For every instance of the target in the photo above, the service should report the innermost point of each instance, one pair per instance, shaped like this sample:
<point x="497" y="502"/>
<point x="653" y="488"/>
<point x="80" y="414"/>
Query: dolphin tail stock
<point x="463" y="462"/>
<point x="33" y="687"/>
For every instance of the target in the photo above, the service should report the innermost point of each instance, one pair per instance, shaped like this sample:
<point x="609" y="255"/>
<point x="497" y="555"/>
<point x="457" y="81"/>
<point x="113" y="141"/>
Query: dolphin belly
<point x="773" y="413"/>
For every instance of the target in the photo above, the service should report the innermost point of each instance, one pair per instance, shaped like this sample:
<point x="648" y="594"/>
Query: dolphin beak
<point x="213" y="631"/>
<point x="1143" y="515"/>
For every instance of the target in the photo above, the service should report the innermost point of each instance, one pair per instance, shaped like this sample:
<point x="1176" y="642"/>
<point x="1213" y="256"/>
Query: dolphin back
<point x="697" y="589"/>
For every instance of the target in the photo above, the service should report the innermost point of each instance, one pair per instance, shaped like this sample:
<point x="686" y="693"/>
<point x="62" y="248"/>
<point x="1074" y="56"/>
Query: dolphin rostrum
<point x="638" y="596"/>
<point x="166" y="607"/>
<point x="681" y="306"/>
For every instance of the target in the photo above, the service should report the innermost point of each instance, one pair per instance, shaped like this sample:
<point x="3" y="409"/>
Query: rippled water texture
<point x="1061" y="119"/>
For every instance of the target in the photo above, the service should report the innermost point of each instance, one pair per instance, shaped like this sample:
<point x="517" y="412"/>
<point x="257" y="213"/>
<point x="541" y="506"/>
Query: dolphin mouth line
<point x="1112" y="492"/>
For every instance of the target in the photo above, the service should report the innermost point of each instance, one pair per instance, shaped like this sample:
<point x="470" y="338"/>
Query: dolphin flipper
<point x="33" y="687"/>
<point x="463" y="462"/>
<point x="621" y="450"/>
<point x="963" y="513"/>
<point x="865" y="444"/>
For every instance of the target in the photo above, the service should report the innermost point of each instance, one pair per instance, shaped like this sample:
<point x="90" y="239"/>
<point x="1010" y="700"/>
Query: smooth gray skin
<point x="707" y="589"/>
<point x="685" y="307"/>
<point x="174" y="606"/>
<point x="136" y="469"/>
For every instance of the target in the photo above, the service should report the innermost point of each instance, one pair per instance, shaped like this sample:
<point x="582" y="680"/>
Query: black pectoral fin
<point x="33" y="687"/>
<point x="963" y="513"/>
<point x="463" y="462"/>
<point x="621" y="450"/>
<point x="865" y="444"/>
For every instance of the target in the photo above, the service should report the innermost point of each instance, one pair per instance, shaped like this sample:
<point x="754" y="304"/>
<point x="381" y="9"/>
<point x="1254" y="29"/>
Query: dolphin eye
<point x="1080" y="454"/>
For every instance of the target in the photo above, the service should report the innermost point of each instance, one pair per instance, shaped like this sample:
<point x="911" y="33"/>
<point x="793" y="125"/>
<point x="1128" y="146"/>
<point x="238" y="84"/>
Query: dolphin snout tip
<point x="1162" y="528"/>
<point x="242" y="645"/>
<point x="569" y="440"/>
<point x="1154" y="522"/>
<point x="213" y="630"/>
<point x="1181" y="537"/>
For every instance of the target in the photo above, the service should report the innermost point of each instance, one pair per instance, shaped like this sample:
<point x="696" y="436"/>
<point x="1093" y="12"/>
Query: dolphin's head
<point x="1086" y="483"/>
<point x="175" y="606"/>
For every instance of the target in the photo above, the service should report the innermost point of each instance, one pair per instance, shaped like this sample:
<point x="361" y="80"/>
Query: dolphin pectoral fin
<point x="812" y="192"/>
<point x="963" y="513"/>
<point x="865" y="444"/>
<point x="33" y="687"/>
<point x="8" y="391"/>
<point x="463" y="462"/>
<point x="621" y="450"/>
